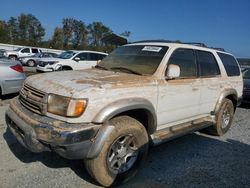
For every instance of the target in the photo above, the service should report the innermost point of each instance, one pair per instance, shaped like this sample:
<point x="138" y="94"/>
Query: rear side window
<point x="208" y="64"/>
<point x="93" y="57"/>
<point x="34" y="50"/>
<point x="185" y="59"/>
<point x="101" y="56"/>
<point x="230" y="64"/>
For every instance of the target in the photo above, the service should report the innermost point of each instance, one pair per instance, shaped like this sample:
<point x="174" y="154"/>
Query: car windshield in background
<point x="140" y="59"/>
<point x="17" y="49"/>
<point x="66" y="55"/>
<point x="246" y="73"/>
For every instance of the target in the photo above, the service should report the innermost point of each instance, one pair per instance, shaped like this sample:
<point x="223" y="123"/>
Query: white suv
<point x="70" y="60"/>
<point x="145" y="92"/>
<point x="21" y="52"/>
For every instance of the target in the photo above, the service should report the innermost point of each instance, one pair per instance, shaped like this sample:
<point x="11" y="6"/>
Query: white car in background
<point x="70" y="60"/>
<point x="21" y="52"/>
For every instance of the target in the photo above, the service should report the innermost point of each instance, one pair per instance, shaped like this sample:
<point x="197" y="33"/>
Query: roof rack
<point x="160" y="40"/>
<point x="195" y="44"/>
<point x="220" y="49"/>
<point x="179" y="42"/>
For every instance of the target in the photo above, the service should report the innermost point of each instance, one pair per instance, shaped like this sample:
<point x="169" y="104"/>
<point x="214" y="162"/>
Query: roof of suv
<point x="178" y="44"/>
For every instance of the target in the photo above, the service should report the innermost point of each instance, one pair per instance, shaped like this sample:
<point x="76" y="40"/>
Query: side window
<point x="230" y="64"/>
<point x="208" y="64"/>
<point x="34" y="50"/>
<point x="83" y="56"/>
<point x="94" y="57"/>
<point x="185" y="59"/>
<point x="25" y="50"/>
<point x="101" y="56"/>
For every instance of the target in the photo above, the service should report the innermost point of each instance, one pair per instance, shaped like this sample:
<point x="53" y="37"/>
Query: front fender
<point x="125" y="105"/>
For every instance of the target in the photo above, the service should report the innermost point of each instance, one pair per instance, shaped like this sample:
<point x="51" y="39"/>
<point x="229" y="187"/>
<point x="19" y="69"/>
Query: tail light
<point x="17" y="68"/>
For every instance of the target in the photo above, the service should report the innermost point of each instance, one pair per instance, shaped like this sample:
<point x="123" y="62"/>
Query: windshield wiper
<point x="126" y="70"/>
<point x="100" y="67"/>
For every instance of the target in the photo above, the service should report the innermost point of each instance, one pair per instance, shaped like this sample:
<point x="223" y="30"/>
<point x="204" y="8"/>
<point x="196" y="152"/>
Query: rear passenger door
<point x="94" y="57"/>
<point x="210" y="75"/>
<point x="179" y="99"/>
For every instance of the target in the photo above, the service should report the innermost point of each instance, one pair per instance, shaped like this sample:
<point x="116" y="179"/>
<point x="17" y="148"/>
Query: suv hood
<point x="83" y="82"/>
<point x="11" y="52"/>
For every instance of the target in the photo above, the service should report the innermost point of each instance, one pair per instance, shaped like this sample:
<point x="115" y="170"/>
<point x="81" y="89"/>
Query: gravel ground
<point x="195" y="160"/>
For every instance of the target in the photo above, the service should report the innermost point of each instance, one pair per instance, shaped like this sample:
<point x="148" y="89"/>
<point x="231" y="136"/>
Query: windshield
<point x="141" y="59"/>
<point x="246" y="73"/>
<point x="66" y="55"/>
<point x="17" y="49"/>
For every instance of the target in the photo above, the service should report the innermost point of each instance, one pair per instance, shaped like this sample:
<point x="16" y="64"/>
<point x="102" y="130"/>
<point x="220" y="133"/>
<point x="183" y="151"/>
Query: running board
<point x="175" y="131"/>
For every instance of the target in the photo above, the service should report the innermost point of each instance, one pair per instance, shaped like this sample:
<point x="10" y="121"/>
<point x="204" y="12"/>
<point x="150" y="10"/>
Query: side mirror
<point x="77" y="59"/>
<point x="173" y="72"/>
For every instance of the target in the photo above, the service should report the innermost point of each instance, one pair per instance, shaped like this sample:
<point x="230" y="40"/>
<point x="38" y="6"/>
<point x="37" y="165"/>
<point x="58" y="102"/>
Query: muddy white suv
<point x="145" y="92"/>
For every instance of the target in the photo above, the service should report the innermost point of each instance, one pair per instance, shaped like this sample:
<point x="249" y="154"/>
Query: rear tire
<point x="122" y="153"/>
<point x="31" y="63"/>
<point x="224" y="119"/>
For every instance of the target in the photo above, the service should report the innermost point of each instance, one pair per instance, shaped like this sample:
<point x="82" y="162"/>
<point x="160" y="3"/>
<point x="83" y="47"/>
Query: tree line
<point x="26" y="29"/>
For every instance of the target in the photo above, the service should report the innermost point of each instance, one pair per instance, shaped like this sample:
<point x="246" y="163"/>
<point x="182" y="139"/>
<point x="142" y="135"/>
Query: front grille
<point x="33" y="99"/>
<point x="42" y="63"/>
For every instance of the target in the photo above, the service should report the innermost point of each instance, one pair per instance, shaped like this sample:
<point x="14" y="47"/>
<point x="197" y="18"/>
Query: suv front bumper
<point x="37" y="133"/>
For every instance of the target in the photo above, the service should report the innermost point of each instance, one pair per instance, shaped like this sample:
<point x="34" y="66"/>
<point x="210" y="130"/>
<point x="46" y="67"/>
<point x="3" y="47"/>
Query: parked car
<point x="71" y="60"/>
<point x="149" y="91"/>
<point x="11" y="76"/>
<point x="32" y="61"/>
<point x="1" y="53"/>
<point x="21" y="52"/>
<point x="246" y="88"/>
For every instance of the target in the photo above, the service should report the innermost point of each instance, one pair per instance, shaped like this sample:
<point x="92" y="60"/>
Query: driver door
<point x="82" y="62"/>
<point x="178" y="99"/>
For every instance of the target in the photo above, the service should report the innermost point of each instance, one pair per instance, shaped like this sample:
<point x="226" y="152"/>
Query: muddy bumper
<point x="72" y="141"/>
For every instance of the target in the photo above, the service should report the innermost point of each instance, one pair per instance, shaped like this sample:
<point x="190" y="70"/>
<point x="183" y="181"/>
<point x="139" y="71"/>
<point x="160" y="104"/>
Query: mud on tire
<point x="123" y="152"/>
<point x="224" y="118"/>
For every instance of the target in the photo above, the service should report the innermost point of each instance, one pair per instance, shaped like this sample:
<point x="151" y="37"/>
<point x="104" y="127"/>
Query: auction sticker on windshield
<point x="152" y="48"/>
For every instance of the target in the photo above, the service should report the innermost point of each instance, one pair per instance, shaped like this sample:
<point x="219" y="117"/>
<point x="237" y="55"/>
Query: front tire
<point x="122" y="153"/>
<point x="13" y="57"/>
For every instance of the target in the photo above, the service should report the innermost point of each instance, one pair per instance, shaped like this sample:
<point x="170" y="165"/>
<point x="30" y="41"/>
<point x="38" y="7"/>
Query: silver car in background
<point x="11" y="76"/>
<point x="32" y="61"/>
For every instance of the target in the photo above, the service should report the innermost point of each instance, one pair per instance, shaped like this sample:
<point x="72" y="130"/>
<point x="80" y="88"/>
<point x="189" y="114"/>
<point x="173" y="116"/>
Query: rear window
<point x="230" y="64"/>
<point x="208" y="64"/>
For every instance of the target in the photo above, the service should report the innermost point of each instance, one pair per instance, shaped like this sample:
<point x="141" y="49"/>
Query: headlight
<point x="65" y="106"/>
